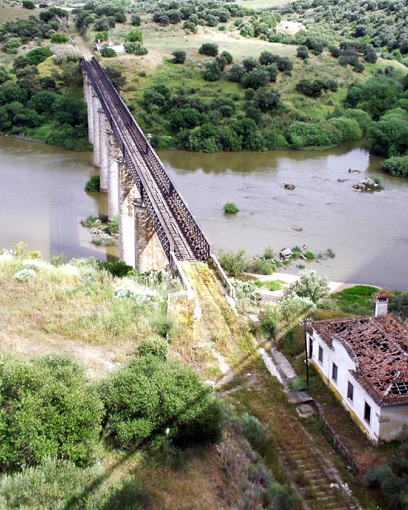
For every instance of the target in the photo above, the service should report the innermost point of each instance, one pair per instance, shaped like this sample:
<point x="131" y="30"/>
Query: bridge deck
<point x="176" y="227"/>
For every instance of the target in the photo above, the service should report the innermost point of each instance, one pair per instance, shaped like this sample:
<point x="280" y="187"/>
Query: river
<point x="42" y="202"/>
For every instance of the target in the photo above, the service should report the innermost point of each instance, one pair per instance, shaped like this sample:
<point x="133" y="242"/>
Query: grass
<point x="270" y="284"/>
<point x="358" y="298"/>
<point x="72" y="309"/>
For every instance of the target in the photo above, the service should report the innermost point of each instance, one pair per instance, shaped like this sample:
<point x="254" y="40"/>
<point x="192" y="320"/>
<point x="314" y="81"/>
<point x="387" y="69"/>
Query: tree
<point x="249" y="64"/>
<point x="108" y="52"/>
<point x="349" y="128"/>
<point x="302" y="52"/>
<point x="236" y="73"/>
<point x="228" y="57"/>
<point x="28" y="4"/>
<point x="311" y="88"/>
<point x="136" y="48"/>
<point x="4" y="75"/>
<point x="389" y="136"/>
<point x="212" y="72"/>
<point x="210" y="49"/>
<point x="267" y="99"/>
<point x="150" y="396"/>
<point x="134" y="36"/>
<point x="136" y="20"/>
<point x="399" y="299"/>
<point x="179" y="56"/>
<point x="310" y="285"/>
<point x="115" y="76"/>
<point x="375" y="96"/>
<point x="59" y="38"/>
<point x="47" y="410"/>
<point x="158" y="95"/>
<point x="256" y="79"/>
<point x="234" y="263"/>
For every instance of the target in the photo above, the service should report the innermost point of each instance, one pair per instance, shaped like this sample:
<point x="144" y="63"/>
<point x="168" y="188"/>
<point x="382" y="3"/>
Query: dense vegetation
<point x="43" y="102"/>
<point x="250" y="106"/>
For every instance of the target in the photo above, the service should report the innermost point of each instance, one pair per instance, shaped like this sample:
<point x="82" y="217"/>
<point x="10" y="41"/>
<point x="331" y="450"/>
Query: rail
<point x="176" y="227"/>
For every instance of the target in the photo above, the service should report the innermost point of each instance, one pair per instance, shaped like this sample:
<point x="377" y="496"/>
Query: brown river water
<point x="42" y="202"/>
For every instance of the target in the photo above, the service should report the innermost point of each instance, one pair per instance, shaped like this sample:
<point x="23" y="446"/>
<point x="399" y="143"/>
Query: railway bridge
<point x="156" y="228"/>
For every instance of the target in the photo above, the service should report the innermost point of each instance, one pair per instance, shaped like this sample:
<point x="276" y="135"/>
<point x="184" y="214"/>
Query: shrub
<point x="306" y="134"/>
<point x="136" y="48"/>
<point x="236" y="73"/>
<point x="399" y="303"/>
<point x="108" y="52"/>
<point x="228" y="57"/>
<point x="302" y="52"/>
<point x="136" y="20"/>
<point x="51" y="412"/>
<point x="115" y="268"/>
<point x="93" y="184"/>
<point x="210" y="49"/>
<point x="212" y="72"/>
<point x="233" y="263"/>
<point x="149" y="396"/>
<point x="158" y="347"/>
<point x="254" y="431"/>
<point x="28" y="4"/>
<point x="59" y="38"/>
<point x="349" y="128"/>
<point x="230" y="208"/>
<point x="397" y="166"/>
<point x="134" y="36"/>
<point x="179" y="56"/>
<point x="310" y="285"/>
<point x="256" y="79"/>
<point x="101" y="36"/>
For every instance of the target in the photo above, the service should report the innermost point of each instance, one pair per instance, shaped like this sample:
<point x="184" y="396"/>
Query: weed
<point x="230" y="208"/>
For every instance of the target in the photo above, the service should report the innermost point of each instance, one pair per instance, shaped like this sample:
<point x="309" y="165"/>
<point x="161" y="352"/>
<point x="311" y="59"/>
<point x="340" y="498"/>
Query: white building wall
<point x="345" y="365"/>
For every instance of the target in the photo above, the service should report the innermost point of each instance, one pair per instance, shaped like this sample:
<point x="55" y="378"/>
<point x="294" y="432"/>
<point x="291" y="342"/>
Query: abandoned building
<point x="364" y="361"/>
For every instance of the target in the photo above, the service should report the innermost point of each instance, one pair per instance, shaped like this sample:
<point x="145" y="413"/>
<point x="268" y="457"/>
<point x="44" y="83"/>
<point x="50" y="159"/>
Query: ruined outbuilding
<point x="364" y="360"/>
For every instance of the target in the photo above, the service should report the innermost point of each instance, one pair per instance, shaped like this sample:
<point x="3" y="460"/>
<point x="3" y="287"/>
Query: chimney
<point x="381" y="302"/>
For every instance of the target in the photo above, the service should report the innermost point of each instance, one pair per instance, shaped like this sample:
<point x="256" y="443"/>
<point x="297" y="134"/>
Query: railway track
<point x="176" y="227"/>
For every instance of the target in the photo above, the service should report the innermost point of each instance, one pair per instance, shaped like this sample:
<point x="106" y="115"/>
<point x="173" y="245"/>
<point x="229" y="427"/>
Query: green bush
<point x="101" y="36"/>
<point x="59" y="38"/>
<point x="210" y="49"/>
<point x="349" y="128"/>
<point x="156" y="346"/>
<point x="230" y="208"/>
<point x="254" y="431"/>
<point x="47" y="410"/>
<point x="397" y="166"/>
<point x="93" y="184"/>
<point x="108" y="52"/>
<point x="179" y="56"/>
<point x="306" y="134"/>
<point x="136" y="48"/>
<point x="233" y="263"/>
<point x="115" y="268"/>
<point x="150" y="396"/>
<point x="259" y="266"/>
<point x="399" y="303"/>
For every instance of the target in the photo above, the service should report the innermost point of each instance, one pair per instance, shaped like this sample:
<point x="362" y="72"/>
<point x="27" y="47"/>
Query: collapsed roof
<point x="379" y="347"/>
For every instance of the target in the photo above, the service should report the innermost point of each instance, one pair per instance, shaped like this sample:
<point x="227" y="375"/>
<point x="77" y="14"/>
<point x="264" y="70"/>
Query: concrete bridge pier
<point x="103" y="151"/>
<point x="96" y="106"/>
<point x="114" y="158"/>
<point x="149" y="251"/>
<point x="88" y="91"/>
<point x="126" y="217"/>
